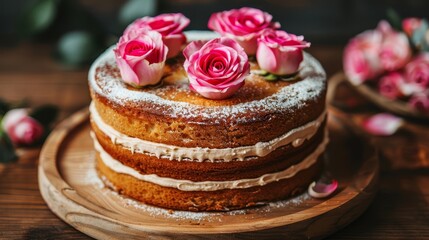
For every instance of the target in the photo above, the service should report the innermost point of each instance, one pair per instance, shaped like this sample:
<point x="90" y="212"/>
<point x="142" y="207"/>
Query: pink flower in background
<point x="385" y="51"/>
<point x="420" y="101"/>
<point x="361" y="57"/>
<point x="169" y="25"/>
<point x="216" y="69"/>
<point x="394" y="51"/>
<point x="382" y="124"/>
<point x="417" y="74"/>
<point x="409" y="25"/>
<point x="243" y="25"/>
<point x="280" y="53"/>
<point x="140" y="55"/>
<point x="21" y="128"/>
<point x="390" y="85"/>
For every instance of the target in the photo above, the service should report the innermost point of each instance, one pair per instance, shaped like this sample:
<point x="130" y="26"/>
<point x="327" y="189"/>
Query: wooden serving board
<point x="70" y="186"/>
<point x="394" y="106"/>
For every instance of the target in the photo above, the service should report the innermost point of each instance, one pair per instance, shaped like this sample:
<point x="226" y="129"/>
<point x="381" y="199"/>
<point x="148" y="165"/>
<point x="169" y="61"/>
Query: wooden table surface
<point x="399" y="211"/>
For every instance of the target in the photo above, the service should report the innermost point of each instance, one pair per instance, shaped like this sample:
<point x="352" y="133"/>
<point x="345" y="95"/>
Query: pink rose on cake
<point x="140" y="55"/>
<point x="216" y="69"/>
<point x="361" y="59"/>
<point x="280" y="53"/>
<point x="243" y="25"/>
<point x="169" y="25"/>
<point x="21" y="128"/>
<point x="395" y="50"/>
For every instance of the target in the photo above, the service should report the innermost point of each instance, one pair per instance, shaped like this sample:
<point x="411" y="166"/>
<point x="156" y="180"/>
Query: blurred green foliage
<point x="77" y="31"/>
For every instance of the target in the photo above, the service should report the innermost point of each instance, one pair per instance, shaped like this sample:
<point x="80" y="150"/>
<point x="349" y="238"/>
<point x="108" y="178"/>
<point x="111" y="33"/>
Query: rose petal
<point x="174" y="44"/>
<point x="192" y="47"/>
<point x="321" y="190"/>
<point x="382" y="124"/>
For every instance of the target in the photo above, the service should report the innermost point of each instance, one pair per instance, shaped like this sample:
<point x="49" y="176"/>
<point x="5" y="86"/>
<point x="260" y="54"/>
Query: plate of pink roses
<point x="390" y="66"/>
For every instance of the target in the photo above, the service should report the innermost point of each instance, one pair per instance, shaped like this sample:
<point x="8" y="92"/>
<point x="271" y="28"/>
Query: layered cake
<point x="167" y="145"/>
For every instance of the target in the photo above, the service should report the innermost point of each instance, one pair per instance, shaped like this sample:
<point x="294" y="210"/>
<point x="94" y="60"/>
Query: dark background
<point x="321" y="21"/>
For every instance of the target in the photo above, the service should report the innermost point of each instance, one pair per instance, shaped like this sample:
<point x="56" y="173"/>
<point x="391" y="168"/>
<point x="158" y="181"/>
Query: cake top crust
<point x="173" y="98"/>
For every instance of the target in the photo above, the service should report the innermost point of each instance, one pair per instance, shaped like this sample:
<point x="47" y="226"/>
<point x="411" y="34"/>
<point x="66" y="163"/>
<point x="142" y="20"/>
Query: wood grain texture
<point x="69" y="184"/>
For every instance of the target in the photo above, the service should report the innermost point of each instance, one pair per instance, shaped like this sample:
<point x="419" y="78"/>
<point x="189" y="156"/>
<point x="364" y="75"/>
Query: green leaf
<point x="134" y="9"/>
<point x="294" y="77"/>
<point x="271" y="77"/>
<point x="45" y="115"/>
<point x="77" y="48"/>
<point x="38" y="17"/>
<point x="394" y="19"/>
<point x="290" y="77"/>
<point x="7" y="152"/>
<point x="259" y="72"/>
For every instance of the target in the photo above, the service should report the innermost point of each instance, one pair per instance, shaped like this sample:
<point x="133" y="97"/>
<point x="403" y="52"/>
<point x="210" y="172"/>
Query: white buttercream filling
<point x="295" y="136"/>
<point x="186" y="185"/>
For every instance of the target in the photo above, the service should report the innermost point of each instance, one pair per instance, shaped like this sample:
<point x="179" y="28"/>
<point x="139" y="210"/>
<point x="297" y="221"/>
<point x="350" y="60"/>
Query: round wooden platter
<point x="394" y="106"/>
<point x="70" y="186"/>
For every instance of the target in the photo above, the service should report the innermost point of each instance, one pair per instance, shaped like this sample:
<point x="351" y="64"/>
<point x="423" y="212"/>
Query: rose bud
<point x="216" y="69"/>
<point x="169" y="25"/>
<point x="395" y="50"/>
<point x="409" y="25"/>
<point x="140" y="55"/>
<point x="361" y="60"/>
<point x="243" y="25"/>
<point x="390" y="85"/>
<point x="21" y="128"/>
<point x="417" y="74"/>
<point x="280" y="53"/>
<point x="420" y="101"/>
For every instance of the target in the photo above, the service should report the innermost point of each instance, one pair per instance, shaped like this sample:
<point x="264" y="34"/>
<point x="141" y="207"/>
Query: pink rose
<point x="420" y="101"/>
<point x="409" y="25"/>
<point x="140" y="55"/>
<point x="169" y="25"/>
<point x="417" y="74"/>
<point x="243" y="25"/>
<point x="216" y="69"/>
<point x="361" y="59"/>
<point x="390" y="85"/>
<point x="21" y="128"/>
<point x="280" y="53"/>
<point x="395" y="50"/>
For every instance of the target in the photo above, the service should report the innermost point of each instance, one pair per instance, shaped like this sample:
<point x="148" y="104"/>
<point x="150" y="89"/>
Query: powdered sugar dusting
<point x="212" y="216"/>
<point x="287" y="99"/>
<point x="293" y="202"/>
<point x="91" y="177"/>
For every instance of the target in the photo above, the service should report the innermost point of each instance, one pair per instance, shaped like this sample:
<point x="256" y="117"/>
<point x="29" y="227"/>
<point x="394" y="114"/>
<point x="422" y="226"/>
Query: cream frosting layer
<point x="295" y="137"/>
<point x="186" y="185"/>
